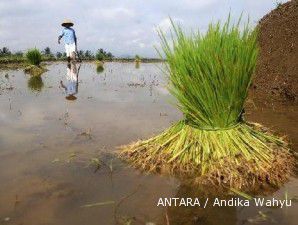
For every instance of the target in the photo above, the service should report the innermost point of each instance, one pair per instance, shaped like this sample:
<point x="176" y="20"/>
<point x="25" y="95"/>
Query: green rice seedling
<point x="137" y="58"/>
<point x="34" y="57"/>
<point x="210" y="75"/>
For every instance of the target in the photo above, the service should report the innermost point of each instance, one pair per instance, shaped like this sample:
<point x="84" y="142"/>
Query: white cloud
<point x="198" y="3"/>
<point x="166" y="24"/>
<point x="122" y="27"/>
<point x="142" y="45"/>
<point x="119" y="13"/>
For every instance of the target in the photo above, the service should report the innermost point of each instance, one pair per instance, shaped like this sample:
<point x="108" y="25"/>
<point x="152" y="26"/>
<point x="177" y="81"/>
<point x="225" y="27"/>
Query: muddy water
<point x="52" y="127"/>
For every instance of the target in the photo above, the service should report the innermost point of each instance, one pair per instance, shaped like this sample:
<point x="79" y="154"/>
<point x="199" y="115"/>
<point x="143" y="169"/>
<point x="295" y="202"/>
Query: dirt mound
<point x="276" y="77"/>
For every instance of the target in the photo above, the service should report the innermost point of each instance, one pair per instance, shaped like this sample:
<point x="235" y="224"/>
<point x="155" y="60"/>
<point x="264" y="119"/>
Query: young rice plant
<point x="34" y="57"/>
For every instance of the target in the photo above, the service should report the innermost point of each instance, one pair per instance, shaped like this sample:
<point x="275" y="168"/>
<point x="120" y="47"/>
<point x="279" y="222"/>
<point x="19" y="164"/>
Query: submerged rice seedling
<point x="35" y="83"/>
<point x="34" y="57"/>
<point x="137" y="64"/>
<point x="137" y="61"/>
<point x="210" y="76"/>
<point x="99" y="67"/>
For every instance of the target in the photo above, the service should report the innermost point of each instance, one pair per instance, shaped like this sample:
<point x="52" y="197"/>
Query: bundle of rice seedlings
<point x="210" y="76"/>
<point x="34" y="58"/>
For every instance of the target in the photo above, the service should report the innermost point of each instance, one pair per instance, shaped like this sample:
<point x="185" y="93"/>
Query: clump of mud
<point x="35" y="70"/>
<point x="276" y="78"/>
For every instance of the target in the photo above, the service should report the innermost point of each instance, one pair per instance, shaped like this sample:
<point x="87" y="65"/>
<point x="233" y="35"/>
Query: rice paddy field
<point x="58" y="163"/>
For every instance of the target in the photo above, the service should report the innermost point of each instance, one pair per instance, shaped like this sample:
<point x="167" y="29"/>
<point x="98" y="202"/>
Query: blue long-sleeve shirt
<point x="69" y="35"/>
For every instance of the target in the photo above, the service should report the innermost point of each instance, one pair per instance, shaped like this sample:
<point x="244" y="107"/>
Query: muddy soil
<point x="276" y="78"/>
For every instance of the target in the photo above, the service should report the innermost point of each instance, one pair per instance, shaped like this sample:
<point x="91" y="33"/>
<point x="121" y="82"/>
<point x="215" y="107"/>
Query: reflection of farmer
<point x="71" y="87"/>
<point x="70" y="39"/>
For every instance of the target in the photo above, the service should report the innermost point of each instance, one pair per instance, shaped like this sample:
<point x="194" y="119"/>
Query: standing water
<point x="57" y="136"/>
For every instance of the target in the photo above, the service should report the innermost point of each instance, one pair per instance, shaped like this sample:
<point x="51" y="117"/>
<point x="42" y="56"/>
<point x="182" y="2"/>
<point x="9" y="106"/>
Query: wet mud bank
<point x="276" y="77"/>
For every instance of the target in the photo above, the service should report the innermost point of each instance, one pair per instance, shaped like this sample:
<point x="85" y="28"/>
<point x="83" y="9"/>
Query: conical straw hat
<point x="67" y="22"/>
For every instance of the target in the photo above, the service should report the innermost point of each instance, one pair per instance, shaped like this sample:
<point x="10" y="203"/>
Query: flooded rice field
<point x="57" y="139"/>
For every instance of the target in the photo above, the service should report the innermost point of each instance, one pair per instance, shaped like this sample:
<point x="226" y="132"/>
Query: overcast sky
<point x="124" y="27"/>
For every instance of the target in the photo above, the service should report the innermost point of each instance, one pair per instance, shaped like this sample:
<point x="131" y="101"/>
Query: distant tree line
<point x="47" y="54"/>
<point x="5" y="51"/>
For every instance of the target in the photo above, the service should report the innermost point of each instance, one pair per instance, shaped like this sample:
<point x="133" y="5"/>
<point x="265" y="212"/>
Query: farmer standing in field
<point x="70" y="39"/>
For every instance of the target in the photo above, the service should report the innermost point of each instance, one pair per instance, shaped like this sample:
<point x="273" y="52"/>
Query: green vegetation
<point x="12" y="59"/>
<point x="4" y="52"/>
<point x="47" y="54"/>
<point x="19" y="54"/>
<point x="103" y="55"/>
<point x="34" y="57"/>
<point x="6" y="57"/>
<point x="18" y="59"/>
<point x="137" y="58"/>
<point x="99" y="56"/>
<point x="88" y="55"/>
<point x="210" y="75"/>
<point x="59" y="55"/>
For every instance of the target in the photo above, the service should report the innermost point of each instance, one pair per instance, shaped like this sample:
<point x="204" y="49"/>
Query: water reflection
<point x="99" y="68"/>
<point x="35" y="83"/>
<point x="137" y="64"/>
<point x="192" y="215"/>
<point x="52" y="191"/>
<point x="72" y="81"/>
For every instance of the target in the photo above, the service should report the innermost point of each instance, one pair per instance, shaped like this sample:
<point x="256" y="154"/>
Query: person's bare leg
<point x="73" y="56"/>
